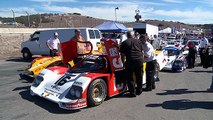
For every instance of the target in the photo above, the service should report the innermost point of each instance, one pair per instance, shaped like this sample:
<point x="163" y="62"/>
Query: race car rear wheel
<point x="97" y="92"/>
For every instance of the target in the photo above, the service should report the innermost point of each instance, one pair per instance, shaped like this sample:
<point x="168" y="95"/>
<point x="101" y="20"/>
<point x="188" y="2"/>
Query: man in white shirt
<point x="202" y="47"/>
<point x="53" y="44"/>
<point x="149" y="58"/>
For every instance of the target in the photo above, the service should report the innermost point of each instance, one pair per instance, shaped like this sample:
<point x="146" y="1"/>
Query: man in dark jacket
<point x="132" y="51"/>
<point x="191" y="55"/>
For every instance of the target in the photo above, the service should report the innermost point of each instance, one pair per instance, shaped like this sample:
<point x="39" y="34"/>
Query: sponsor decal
<point x="55" y="87"/>
<point x="82" y="100"/>
<point x="78" y="83"/>
<point x="164" y="60"/>
<point x="45" y="94"/>
<point x="70" y="105"/>
<point x="113" y="52"/>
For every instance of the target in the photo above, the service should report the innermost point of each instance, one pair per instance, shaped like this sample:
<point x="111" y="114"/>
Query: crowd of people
<point x="137" y="49"/>
<point x="136" y="44"/>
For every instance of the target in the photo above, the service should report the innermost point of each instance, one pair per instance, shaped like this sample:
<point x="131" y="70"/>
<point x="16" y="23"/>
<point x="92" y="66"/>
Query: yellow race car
<point x="40" y="63"/>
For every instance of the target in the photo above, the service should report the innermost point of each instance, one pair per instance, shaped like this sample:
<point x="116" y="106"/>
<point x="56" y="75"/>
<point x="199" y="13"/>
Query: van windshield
<point x="97" y="34"/>
<point x="35" y="36"/>
<point x="91" y="34"/>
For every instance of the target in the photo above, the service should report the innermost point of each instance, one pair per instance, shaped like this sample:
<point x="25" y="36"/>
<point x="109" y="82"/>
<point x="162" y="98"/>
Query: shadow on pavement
<point x="202" y="71"/>
<point x="41" y="102"/>
<point x="180" y="91"/>
<point x="26" y="79"/>
<point x="183" y="104"/>
<point x="18" y="59"/>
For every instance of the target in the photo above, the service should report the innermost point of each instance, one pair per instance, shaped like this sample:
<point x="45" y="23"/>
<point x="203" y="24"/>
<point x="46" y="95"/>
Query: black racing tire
<point x="26" y="54"/>
<point x="156" y="74"/>
<point x="97" y="92"/>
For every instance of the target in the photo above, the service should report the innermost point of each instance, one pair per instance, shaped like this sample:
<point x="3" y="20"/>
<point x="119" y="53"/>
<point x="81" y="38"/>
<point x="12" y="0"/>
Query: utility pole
<point x="28" y="16"/>
<point x="116" y="13"/>
<point x="40" y="20"/>
<point x="14" y="20"/>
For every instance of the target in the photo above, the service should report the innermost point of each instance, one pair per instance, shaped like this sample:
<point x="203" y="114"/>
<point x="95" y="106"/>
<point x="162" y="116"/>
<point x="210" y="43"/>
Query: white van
<point x="36" y="45"/>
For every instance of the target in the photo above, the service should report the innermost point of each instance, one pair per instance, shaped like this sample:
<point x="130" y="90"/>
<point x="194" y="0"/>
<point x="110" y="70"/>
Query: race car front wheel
<point x="97" y="92"/>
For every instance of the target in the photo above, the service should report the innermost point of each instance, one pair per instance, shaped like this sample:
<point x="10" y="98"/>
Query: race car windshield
<point x="89" y="64"/>
<point x="173" y="52"/>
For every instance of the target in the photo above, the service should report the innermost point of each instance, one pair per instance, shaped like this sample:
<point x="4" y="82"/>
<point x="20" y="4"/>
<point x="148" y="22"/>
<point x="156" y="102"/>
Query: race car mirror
<point x="112" y="50"/>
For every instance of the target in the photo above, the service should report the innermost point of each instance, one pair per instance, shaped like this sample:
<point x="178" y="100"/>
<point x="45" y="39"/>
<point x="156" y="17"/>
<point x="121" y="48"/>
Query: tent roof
<point x="166" y="30"/>
<point x="111" y="26"/>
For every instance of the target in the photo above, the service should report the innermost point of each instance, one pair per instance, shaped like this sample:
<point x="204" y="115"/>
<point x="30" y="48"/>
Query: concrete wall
<point x="20" y="30"/>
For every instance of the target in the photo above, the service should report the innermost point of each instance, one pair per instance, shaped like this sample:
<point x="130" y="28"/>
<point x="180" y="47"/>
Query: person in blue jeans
<point x="211" y="86"/>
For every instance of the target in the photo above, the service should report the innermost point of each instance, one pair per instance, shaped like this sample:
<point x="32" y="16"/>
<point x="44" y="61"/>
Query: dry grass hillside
<point x="78" y="20"/>
<point x="11" y="43"/>
<point x="71" y="20"/>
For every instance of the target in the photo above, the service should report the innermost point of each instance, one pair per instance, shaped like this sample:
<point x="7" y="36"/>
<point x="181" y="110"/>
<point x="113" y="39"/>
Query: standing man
<point x="132" y="51"/>
<point x="53" y="44"/>
<point x="156" y="43"/>
<point x="202" y="47"/>
<point x="81" y="48"/>
<point x="191" y="55"/>
<point x="149" y="58"/>
<point x="136" y="35"/>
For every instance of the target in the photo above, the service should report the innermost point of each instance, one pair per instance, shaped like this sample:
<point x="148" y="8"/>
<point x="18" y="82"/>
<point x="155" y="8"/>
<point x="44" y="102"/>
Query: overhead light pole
<point x="14" y="20"/>
<point x="28" y="17"/>
<point x="40" y="20"/>
<point x="116" y="13"/>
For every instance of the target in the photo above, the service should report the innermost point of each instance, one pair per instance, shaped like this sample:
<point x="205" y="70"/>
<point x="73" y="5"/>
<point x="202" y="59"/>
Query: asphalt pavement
<point x="178" y="96"/>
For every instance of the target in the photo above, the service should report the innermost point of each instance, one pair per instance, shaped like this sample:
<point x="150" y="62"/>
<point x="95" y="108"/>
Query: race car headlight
<point x="72" y="92"/>
<point x="78" y="94"/>
<point x="37" y="81"/>
<point x="75" y="92"/>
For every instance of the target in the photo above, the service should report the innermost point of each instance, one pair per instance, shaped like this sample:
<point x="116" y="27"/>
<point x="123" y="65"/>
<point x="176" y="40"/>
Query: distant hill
<point x="77" y="20"/>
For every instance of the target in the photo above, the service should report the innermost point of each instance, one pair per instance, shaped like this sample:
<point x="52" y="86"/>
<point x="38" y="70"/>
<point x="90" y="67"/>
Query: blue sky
<point x="186" y="11"/>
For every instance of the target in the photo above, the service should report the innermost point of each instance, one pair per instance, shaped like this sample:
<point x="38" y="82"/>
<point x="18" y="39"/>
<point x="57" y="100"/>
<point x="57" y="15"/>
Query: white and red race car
<point x="87" y="83"/>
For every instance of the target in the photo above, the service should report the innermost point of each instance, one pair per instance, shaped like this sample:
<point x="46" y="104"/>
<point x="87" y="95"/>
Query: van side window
<point x="97" y="34"/>
<point x="91" y="34"/>
<point x="35" y="36"/>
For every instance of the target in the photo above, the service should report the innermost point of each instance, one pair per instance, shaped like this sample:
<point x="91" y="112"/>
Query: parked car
<point x="176" y="59"/>
<point x="36" y="45"/>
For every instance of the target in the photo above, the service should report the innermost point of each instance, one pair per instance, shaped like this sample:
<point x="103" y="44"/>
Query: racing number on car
<point x="117" y="63"/>
<point x="113" y="52"/>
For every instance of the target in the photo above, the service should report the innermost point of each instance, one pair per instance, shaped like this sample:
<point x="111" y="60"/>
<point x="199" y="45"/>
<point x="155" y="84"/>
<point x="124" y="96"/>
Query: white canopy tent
<point x="166" y="30"/>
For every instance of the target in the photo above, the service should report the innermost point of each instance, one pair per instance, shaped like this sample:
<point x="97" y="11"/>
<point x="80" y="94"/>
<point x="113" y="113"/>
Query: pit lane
<point x="177" y="96"/>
